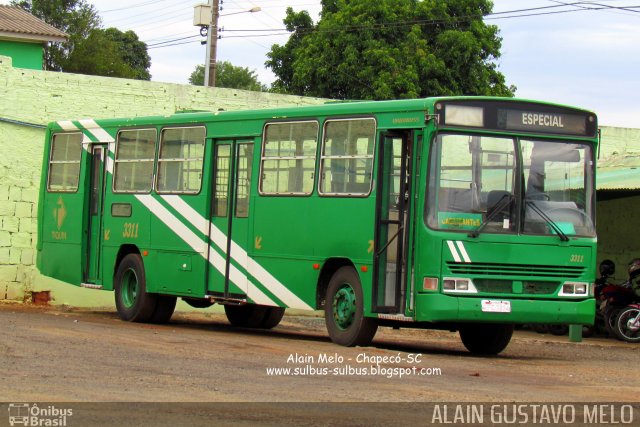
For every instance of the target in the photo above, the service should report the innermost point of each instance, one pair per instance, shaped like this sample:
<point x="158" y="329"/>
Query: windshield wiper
<point x="551" y="222"/>
<point x="504" y="202"/>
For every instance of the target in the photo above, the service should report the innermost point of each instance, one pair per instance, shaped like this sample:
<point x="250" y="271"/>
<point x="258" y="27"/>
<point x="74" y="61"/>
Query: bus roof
<point x="328" y="109"/>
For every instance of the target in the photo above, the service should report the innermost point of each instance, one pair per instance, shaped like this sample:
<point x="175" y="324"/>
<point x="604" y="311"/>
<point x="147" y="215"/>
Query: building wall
<point x="618" y="226"/>
<point x="24" y="55"/>
<point x="29" y="98"/>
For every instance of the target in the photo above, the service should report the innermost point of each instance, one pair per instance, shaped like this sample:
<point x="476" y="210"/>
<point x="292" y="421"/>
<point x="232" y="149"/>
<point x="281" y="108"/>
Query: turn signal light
<point x="430" y="284"/>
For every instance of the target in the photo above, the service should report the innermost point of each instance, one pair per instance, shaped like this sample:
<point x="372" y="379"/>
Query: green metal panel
<point x="23" y="55"/>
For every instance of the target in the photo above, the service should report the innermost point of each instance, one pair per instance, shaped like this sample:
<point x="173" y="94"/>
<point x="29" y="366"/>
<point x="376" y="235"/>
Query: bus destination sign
<point x="548" y="122"/>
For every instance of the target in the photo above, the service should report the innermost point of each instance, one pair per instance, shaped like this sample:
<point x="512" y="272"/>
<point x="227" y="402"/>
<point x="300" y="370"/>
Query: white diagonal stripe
<point x="95" y="129"/>
<point x="172" y="222"/>
<point x="238" y="254"/>
<point x="463" y="251"/>
<point x="188" y="213"/>
<point x="67" y="125"/>
<point x="454" y="252"/>
<point x="197" y="244"/>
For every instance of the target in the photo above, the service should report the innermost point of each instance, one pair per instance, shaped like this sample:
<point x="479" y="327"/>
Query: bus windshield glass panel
<point x="558" y="181"/>
<point x="505" y="185"/>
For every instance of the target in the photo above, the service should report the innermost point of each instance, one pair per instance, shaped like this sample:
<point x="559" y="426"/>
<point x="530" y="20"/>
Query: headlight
<point x="456" y="285"/>
<point x="574" y="289"/>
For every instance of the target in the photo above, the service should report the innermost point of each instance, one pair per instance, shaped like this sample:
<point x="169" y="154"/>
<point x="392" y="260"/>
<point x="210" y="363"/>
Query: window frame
<point x="116" y="161"/>
<point x="322" y="157"/>
<point x="158" y="160"/>
<point x="51" y="161"/>
<point x="263" y="158"/>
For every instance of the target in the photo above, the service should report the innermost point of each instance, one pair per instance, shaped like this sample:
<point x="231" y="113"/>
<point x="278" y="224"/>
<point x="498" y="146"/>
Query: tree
<point x="390" y="49"/>
<point x="110" y="53"/>
<point x="90" y="49"/>
<point x="229" y="76"/>
<point x="75" y="17"/>
<point x="132" y="51"/>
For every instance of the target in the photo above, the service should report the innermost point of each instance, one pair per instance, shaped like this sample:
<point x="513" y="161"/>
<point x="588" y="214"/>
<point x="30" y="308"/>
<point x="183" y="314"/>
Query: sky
<point x="585" y="54"/>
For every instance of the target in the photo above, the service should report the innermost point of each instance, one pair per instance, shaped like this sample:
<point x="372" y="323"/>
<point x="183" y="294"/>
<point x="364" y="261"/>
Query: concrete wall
<point x="38" y="97"/>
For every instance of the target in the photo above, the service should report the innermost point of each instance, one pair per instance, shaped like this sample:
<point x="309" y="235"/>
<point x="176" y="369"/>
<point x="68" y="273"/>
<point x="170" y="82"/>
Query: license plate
<point x="491" y="306"/>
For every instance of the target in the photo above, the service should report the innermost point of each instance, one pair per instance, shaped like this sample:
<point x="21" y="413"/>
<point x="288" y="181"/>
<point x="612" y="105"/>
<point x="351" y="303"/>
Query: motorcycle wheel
<point x="610" y="320"/>
<point x="628" y="325"/>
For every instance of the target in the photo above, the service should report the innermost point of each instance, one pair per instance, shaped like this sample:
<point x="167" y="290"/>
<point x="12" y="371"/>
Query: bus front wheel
<point x="485" y="339"/>
<point x="344" y="310"/>
<point x="133" y="302"/>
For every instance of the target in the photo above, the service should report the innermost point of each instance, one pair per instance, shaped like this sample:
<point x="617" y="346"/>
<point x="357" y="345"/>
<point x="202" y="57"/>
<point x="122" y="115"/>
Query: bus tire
<point x="484" y="338"/>
<point x="198" y="303"/>
<point x="164" y="309"/>
<point x="245" y="316"/>
<point x="344" y="310"/>
<point x="272" y="317"/>
<point x="133" y="302"/>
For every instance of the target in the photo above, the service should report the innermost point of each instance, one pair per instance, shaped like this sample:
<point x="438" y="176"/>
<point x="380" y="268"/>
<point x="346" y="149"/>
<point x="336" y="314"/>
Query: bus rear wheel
<point x="485" y="339"/>
<point x="344" y="310"/>
<point x="133" y="302"/>
<point x="246" y="316"/>
<point x="272" y="317"/>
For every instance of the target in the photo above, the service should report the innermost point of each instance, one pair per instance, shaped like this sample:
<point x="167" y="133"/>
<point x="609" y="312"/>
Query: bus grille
<point x="498" y="286"/>
<point x="494" y="269"/>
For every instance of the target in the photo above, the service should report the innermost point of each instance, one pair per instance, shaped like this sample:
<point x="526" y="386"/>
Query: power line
<point x="510" y="14"/>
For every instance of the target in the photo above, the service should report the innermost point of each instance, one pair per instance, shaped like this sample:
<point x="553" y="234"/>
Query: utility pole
<point x="212" y="45"/>
<point x="201" y="19"/>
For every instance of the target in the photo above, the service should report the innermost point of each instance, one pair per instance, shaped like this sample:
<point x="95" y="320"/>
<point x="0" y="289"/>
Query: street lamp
<point x="212" y="38"/>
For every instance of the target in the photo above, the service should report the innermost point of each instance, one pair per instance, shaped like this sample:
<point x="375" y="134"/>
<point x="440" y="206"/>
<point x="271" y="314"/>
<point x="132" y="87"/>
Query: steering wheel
<point x="572" y="210"/>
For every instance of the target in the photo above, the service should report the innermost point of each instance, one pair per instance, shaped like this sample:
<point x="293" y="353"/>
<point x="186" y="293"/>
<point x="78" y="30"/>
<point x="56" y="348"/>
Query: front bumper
<point x="435" y="307"/>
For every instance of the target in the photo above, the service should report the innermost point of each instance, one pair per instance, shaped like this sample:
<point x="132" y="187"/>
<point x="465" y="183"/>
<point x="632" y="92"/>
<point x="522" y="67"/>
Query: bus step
<point x="90" y="286"/>
<point x="227" y="301"/>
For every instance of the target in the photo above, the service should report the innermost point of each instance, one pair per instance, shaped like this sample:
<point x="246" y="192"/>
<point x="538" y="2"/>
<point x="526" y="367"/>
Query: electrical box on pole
<point x="202" y="15"/>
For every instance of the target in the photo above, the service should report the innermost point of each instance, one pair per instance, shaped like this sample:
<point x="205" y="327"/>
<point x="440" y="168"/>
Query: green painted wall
<point x="38" y="97"/>
<point x="24" y="55"/>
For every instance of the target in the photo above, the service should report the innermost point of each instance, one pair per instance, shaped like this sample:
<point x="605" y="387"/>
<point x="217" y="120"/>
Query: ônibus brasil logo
<point x="26" y="414"/>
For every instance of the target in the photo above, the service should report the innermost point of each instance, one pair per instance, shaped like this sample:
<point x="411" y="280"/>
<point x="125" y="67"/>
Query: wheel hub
<point x="344" y="306"/>
<point x="129" y="288"/>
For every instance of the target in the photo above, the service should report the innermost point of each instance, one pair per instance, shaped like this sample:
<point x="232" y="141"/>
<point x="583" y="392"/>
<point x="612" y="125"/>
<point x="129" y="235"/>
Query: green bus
<point x="469" y="214"/>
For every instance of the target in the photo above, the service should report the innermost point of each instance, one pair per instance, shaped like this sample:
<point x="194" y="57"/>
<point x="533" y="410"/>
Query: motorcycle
<point x="612" y="298"/>
<point x="627" y="322"/>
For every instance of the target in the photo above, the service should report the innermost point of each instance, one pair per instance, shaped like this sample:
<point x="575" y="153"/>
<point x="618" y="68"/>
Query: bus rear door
<point x="229" y="233"/>
<point x="92" y="271"/>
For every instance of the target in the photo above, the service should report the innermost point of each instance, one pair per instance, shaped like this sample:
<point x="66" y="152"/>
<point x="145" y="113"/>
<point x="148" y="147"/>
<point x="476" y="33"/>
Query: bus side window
<point x="347" y="157"/>
<point x="64" y="162"/>
<point x="289" y="158"/>
<point x="135" y="155"/>
<point x="180" y="160"/>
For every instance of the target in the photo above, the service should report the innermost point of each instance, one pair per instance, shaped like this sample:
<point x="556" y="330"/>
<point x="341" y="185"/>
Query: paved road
<point x="54" y="354"/>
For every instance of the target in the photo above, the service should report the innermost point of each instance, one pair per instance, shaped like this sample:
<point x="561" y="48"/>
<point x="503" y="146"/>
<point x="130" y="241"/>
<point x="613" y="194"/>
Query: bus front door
<point x="229" y="233"/>
<point x="392" y="206"/>
<point x="94" y="232"/>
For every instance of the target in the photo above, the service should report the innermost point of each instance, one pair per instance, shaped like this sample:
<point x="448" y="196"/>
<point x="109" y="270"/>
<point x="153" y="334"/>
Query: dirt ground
<point x="58" y="354"/>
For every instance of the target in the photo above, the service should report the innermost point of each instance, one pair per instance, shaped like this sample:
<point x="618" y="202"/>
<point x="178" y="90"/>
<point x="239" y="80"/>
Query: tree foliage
<point x="110" y="53"/>
<point x="75" y="17"/>
<point x="229" y="76"/>
<point x="388" y="49"/>
<point x="90" y="49"/>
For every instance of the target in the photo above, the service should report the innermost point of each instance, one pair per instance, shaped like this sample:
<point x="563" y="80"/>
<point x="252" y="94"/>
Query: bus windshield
<point x="492" y="184"/>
